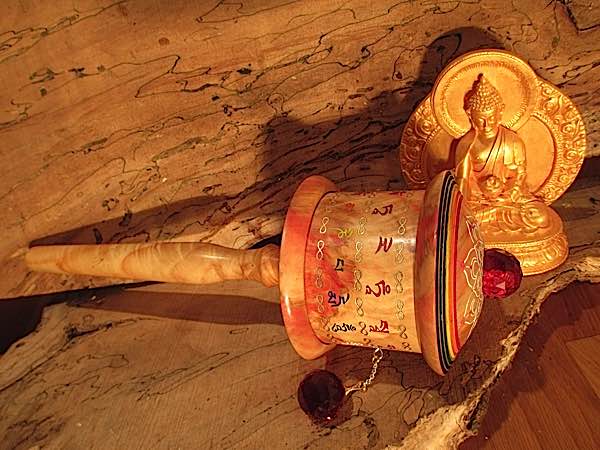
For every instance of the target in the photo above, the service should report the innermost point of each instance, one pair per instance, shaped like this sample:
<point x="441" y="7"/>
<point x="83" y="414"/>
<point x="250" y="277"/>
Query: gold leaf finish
<point x="517" y="153"/>
<point x="564" y="121"/>
<point x="503" y="69"/>
<point x="417" y="132"/>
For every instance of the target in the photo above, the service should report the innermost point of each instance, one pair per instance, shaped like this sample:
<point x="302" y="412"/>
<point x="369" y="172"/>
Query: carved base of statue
<point x="516" y="144"/>
<point x="532" y="232"/>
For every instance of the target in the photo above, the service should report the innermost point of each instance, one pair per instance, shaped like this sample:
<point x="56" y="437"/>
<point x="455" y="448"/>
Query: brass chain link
<point x="363" y="385"/>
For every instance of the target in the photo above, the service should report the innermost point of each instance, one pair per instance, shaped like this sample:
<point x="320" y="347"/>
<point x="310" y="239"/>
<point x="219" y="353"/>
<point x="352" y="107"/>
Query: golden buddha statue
<point x="491" y="170"/>
<point x="516" y="144"/>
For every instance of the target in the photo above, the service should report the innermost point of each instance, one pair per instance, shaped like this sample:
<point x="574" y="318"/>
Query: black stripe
<point x="448" y="185"/>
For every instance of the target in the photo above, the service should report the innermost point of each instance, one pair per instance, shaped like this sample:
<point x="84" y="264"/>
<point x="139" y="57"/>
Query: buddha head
<point x="484" y="107"/>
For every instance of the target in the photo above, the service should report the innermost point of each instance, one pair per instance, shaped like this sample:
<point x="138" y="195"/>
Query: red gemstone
<point x="321" y="394"/>
<point x="502" y="273"/>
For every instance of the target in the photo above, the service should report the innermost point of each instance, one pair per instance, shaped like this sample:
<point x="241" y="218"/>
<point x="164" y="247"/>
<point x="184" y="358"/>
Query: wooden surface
<point x="175" y="366"/>
<point x="172" y="262"/>
<point x="126" y="121"/>
<point x="550" y="397"/>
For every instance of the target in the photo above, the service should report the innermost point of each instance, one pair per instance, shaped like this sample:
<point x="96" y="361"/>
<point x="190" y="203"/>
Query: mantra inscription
<point x="359" y="269"/>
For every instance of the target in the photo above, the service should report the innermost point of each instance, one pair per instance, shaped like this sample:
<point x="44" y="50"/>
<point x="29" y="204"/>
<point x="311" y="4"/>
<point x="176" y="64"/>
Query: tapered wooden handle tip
<point x="178" y="262"/>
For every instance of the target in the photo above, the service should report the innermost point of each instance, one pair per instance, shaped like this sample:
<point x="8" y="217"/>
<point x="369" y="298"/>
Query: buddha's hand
<point x="491" y="187"/>
<point x="516" y="195"/>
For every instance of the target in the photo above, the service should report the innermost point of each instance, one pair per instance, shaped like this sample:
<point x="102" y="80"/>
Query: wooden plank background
<point x="549" y="398"/>
<point x="134" y="120"/>
<point x="173" y="366"/>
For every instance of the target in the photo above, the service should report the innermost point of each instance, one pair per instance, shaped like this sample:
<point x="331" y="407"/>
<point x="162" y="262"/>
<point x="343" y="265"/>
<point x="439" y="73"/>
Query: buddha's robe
<point x="494" y="183"/>
<point x="495" y="174"/>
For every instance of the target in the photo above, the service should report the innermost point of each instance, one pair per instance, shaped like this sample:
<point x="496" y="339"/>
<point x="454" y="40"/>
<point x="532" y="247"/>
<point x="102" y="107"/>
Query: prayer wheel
<point x="395" y="270"/>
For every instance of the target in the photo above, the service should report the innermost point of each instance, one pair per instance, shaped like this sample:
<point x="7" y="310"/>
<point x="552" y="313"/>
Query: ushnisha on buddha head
<point x="484" y="107"/>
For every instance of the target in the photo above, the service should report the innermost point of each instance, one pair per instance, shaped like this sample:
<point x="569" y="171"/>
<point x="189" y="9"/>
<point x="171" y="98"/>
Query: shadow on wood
<point x="227" y="308"/>
<point x="357" y="149"/>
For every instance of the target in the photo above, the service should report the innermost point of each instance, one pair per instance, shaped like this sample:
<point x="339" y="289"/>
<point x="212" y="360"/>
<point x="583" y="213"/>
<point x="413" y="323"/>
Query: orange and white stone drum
<point x="396" y="270"/>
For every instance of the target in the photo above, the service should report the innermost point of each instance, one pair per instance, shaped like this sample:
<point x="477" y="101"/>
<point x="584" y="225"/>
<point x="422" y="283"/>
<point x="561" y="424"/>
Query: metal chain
<point x="363" y="385"/>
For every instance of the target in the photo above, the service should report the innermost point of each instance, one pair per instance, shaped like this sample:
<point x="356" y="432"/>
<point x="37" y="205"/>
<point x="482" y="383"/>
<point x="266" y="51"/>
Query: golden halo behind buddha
<point x="516" y="143"/>
<point x="498" y="68"/>
<point x="547" y="121"/>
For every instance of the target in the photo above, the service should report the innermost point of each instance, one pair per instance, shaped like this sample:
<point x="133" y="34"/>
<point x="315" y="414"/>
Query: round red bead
<point x="502" y="273"/>
<point x="321" y="394"/>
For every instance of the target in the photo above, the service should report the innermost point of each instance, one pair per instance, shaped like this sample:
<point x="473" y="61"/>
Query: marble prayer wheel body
<point x="393" y="270"/>
<point x="397" y="270"/>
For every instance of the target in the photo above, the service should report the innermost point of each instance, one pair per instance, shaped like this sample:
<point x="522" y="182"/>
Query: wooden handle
<point x="177" y="262"/>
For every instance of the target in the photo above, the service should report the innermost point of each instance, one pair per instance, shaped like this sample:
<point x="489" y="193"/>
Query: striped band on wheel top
<point x="446" y="267"/>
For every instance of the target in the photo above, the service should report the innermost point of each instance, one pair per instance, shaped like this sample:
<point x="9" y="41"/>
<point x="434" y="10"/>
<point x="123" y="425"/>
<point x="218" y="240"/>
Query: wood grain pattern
<point x="167" y="366"/>
<point x="585" y="353"/>
<point x="129" y="121"/>
<point x="547" y="399"/>
<point x="171" y="262"/>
